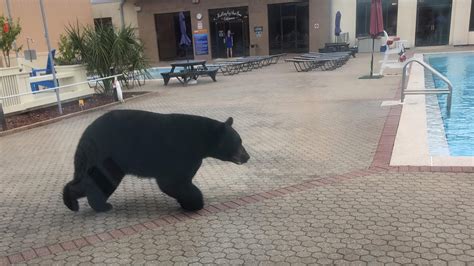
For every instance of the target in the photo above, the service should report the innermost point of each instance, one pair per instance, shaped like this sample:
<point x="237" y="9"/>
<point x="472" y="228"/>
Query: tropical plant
<point x="67" y="54"/>
<point x="106" y="51"/>
<point x="8" y="34"/>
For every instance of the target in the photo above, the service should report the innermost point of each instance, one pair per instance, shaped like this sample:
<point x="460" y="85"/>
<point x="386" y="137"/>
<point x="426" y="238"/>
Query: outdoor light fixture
<point x="196" y="1"/>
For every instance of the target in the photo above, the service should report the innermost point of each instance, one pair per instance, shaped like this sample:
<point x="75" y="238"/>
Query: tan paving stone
<point x="294" y="125"/>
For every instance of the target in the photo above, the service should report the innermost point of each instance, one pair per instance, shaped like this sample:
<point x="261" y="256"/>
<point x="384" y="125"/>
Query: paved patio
<point x="308" y="194"/>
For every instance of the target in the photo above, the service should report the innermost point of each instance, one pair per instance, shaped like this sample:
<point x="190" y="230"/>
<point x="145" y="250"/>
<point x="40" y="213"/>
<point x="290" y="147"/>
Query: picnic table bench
<point x="192" y="69"/>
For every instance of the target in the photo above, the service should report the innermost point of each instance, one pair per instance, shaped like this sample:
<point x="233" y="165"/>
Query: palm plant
<point x="106" y="51"/>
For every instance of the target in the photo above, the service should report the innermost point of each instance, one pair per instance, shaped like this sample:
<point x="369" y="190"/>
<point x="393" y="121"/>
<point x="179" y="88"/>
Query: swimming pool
<point x="459" y="126"/>
<point x="155" y="72"/>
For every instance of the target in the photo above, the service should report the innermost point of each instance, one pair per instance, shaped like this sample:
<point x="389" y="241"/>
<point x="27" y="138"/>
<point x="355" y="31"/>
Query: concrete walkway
<point x="307" y="195"/>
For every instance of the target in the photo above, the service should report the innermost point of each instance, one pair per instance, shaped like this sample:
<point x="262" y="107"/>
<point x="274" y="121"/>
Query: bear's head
<point x="229" y="144"/>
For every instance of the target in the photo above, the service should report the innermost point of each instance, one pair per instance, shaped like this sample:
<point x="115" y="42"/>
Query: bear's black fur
<point x="167" y="147"/>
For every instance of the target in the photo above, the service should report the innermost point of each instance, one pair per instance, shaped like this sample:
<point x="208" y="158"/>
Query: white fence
<point x="15" y="82"/>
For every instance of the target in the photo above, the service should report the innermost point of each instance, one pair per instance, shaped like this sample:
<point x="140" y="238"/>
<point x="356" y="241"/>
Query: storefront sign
<point x="228" y="15"/>
<point x="258" y="31"/>
<point x="201" y="45"/>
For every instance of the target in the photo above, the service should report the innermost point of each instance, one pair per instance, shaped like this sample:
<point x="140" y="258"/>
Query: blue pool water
<point x="459" y="126"/>
<point x="155" y="72"/>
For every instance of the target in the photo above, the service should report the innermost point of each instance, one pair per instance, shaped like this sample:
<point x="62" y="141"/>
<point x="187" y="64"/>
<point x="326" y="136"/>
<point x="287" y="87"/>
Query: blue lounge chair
<point x="46" y="71"/>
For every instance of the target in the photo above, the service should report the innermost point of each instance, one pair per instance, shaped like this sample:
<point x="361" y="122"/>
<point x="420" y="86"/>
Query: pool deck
<point x="318" y="188"/>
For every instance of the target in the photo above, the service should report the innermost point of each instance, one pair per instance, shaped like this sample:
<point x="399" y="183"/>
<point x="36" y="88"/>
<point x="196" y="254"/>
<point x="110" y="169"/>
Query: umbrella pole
<point x="372" y="59"/>
<point x="186" y="52"/>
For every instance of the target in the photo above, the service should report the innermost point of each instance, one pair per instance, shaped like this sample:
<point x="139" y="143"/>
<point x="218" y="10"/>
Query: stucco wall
<point x="461" y="13"/>
<point x="60" y="13"/>
<point x="348" y="18"/>
<point x="112" y="10"/>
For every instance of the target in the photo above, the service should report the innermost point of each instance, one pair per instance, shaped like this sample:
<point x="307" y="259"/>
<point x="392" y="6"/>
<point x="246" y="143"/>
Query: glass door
<point x="433" y="22"/>
<point x="288" y="27"/>
<point x="288" y="33"/>
<point x="234" y="20"/>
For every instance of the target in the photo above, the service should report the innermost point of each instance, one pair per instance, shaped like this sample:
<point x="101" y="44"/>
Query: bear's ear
<point x="229" y="121"/>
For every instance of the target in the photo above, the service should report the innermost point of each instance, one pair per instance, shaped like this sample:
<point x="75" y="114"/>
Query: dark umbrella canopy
<point x="182" y="26"/>
<point x="376" y="18"/>
<point x="337" y="30"/>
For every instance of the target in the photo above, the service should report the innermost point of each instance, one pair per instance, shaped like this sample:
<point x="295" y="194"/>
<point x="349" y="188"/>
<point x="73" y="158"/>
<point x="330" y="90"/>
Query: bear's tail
<point x="70" y="196"/>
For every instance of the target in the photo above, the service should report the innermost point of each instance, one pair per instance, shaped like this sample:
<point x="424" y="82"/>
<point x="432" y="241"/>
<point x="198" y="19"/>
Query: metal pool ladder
<point x="448" y="91"/>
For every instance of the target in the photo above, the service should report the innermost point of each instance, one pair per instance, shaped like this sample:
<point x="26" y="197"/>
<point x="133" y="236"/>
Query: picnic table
<point x="191" y="69"/>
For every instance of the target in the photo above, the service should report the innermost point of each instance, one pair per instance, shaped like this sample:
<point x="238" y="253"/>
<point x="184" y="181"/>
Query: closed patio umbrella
<point x="376" y="27"/>
<point x="185" y="41"/>
<point x="337" y="29"/>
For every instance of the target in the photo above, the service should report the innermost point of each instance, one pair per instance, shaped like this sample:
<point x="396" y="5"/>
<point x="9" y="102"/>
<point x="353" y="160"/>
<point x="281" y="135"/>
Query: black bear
<point x="167" y="147"/>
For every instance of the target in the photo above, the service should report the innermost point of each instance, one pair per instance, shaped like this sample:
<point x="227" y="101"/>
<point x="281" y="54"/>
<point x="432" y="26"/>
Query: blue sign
<point x="201" y="45"/>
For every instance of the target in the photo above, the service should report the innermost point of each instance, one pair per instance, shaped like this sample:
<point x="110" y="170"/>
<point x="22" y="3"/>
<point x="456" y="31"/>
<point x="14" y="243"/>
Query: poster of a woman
<point x="229" y="43"/>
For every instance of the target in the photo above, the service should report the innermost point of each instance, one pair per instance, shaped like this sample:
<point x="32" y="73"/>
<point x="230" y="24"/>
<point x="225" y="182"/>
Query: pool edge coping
<point x="384" y="151"/>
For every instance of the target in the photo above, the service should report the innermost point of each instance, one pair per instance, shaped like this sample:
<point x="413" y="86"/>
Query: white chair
<point x="398" y="47"/>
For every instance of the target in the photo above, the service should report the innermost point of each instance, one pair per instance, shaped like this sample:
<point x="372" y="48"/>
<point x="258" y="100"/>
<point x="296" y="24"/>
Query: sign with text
<point x="258" y="31"/>
<point x="201" y="44"/>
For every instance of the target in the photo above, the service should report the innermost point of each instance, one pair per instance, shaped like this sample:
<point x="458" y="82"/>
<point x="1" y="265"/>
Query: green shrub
<point x="101" y="48"/>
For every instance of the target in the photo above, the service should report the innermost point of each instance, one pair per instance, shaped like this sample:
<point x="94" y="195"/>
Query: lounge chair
<point x="319" y="61"/>
<point x="43" y="71"/>
<point x="244" y="64"/>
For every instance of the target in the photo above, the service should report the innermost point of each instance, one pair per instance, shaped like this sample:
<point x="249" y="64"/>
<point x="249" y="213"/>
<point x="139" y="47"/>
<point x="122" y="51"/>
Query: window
<point x="168" y="36"/>
<point x="471" y="23"/>
<point x="104" y="22"/>
<point x="389" y="11"/>
<point x="288" y="27"/>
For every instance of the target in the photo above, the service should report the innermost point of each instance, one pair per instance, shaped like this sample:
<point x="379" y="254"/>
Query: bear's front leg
<point x="190" y="197"/>
<point x="187" y="194"/>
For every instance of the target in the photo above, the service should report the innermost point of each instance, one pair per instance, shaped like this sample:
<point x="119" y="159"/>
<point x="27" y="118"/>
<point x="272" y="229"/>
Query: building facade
<point x="109" y="12"/>
<point x="262" y="27"/>
<point x="420" y="22"/>
<point x="59" y="14"/>
<point x="257" y="27"/>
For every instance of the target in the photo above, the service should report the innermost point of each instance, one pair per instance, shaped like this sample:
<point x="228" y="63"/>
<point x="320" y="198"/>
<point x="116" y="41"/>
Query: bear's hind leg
<point x="71" y="193"/>
<point x="103" y="184"/>
<point x="96" y="196"/>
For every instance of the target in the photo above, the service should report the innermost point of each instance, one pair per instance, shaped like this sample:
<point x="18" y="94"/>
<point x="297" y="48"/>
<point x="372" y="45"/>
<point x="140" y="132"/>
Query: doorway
<point x="288" y="27"/>
<point x="168" y="36"/>
<point x="433" y="22"/>
<point x="236" y="20"/>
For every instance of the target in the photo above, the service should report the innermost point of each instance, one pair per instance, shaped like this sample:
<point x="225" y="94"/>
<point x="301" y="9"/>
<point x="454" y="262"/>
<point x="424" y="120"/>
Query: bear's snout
<point x="241" y="157"/>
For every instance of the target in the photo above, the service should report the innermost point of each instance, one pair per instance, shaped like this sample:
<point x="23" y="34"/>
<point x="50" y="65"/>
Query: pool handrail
<point x="449" y="91"/>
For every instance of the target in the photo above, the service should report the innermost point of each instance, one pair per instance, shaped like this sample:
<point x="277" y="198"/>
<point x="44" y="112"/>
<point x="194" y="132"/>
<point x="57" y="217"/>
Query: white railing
<point x="58" y="88"/>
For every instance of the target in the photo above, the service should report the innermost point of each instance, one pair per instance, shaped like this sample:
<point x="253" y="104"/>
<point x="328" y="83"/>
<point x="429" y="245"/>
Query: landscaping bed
<point x="46" y="113"/>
